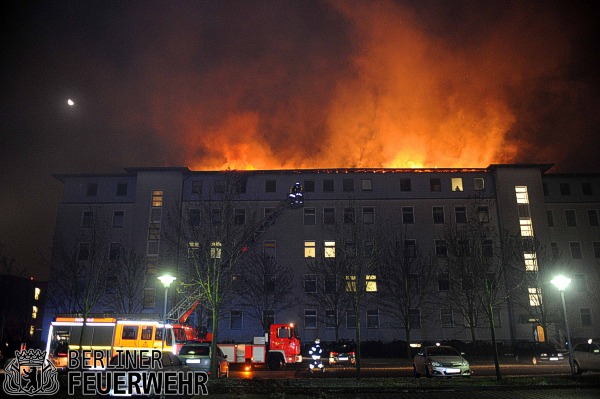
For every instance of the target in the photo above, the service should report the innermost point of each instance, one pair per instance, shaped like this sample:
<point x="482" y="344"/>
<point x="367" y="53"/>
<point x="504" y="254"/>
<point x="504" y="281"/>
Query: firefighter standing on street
<point x="315" y="352"/>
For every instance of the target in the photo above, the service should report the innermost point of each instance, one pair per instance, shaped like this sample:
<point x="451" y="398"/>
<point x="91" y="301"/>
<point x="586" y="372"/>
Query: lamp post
<point x="561" y="282"/>
<point x="166" y="279"/>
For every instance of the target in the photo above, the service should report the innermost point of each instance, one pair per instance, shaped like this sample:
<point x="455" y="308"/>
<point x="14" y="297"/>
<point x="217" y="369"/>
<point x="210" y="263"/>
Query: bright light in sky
<point x="70" y="102"/>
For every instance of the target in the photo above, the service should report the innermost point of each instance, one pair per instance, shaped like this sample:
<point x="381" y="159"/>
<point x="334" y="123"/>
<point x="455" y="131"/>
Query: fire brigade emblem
<point x="30" y="373"/>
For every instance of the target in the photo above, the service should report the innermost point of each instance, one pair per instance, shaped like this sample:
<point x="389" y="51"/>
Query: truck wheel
<point x="275" y="363"/>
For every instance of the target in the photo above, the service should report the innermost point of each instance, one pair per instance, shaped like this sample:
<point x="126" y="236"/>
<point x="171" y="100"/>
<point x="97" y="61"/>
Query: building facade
<point x="140" y="220"/>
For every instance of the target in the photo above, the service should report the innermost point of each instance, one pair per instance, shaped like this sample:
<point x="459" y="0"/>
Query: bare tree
<point x="407" y="281"/>
<point x="126" y="282"/>
<point x="81" y="270"/>
<point x="264" y="286"/>
<point x="329" y="290"/>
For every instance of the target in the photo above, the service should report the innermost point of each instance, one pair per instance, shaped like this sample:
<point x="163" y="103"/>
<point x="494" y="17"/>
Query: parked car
<point x="440" y="361"/>
<point x="536" y="352"/>
<point x="586" y="357"/>
<point x="342" y="353"/>
<point x="169" y="363"/>
<point x="197" y="357"/>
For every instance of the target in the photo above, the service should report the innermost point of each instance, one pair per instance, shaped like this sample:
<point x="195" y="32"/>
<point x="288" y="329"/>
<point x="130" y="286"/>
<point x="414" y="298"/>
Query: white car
<point x="586" y="357"/>
<point x="440" y="361"/>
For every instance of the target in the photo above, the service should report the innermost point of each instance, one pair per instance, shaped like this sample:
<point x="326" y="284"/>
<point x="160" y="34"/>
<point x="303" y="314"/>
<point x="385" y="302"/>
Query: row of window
<point x="349" y="185"/>
<point x="571" y="218"/>
<point x="84" y="251"/>
<point x="120" y="189"/>
<point x="565" y="189"/>
<point x="87" y="219"/>
<point x="349" y="215"/>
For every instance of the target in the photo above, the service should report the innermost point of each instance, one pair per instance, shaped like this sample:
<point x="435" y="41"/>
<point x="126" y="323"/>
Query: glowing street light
<point x="561" y="282"/>
<point x="166" y="280"/>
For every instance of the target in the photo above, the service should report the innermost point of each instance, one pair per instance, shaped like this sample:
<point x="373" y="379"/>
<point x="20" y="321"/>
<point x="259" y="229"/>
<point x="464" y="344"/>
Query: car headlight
<point x="436" y="364"/>
<point x="543" y="354"/>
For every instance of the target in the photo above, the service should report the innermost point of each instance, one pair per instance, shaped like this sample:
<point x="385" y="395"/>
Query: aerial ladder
<point x="179" y="314"/>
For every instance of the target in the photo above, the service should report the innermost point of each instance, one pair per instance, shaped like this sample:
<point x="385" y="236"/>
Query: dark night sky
<point x="285" y="84"/>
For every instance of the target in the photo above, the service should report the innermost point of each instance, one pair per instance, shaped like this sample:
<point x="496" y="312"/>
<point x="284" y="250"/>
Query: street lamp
<point x="561" y="282"/>
<point x="166" y="279"/>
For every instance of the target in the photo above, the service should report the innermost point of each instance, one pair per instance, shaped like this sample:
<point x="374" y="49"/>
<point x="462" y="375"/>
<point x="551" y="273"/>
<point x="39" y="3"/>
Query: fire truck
<point x="276" y="348"/>
<point x="108" y="333"/>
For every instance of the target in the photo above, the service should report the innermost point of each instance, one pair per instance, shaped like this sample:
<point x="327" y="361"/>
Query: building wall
<point x="179" y="188"/>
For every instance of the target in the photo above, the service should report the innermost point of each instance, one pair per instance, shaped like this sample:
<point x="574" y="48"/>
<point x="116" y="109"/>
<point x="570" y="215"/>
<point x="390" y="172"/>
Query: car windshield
<point x="442" y="351"/>
<point x="195" y="350"/>
<point x="546" y="348"/>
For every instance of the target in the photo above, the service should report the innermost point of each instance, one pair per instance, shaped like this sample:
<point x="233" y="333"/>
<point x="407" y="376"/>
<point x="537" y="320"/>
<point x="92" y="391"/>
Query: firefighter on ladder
<point x="315" y="352"/>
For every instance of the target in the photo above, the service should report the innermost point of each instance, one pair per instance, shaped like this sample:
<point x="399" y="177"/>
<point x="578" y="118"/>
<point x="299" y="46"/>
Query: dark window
<point x="328" y="185"/>
<point x="118" y="218"/>
<point x="443" y="282"/>
<point x="236" y="321"/>
<point x="215" y="217"/>
<point x="440" y="248"/>
<point x="270" y="248"/>
<point x="571" y="217"/>
<point x="414" y="316"/>
<point x="581" y="283"/>
<point x="122" y="189"/>
<point x="194" y="217"/>
<point x="460" y="213"/>
<point x="575" y="250"/>
<point x="435" y="184"/>
<point x="350" y="319"/>
<point x="330" y="283"/>
<point x="310" y="318"/>
<point x="147" y="332"/>
<point x="596" y="249"/>
<point x="410" y="248"/>
<point x="368" y="214"/>
<point x="83" y="251"/>
<point x="114" y="251"/>
<point x="269" y="284"/>
<point x="92" y="190"/>
<point x="550" y="217"/>
<point x="87" y="219"/>
<point x="329" y="216"/>
<point x="554" y="249"/>
<point x="349" y="215"/>
<point x="593" y="217"/>
<point x="483" y="214"/>
<point x="586" y="317"/>
<point x="309" y="186"/>
<point x="310" y="283"/>
<point x="405" y="184"/>
<point x="372" y="318"/>
<point x="367" y="184"/>
<point x="197" y="187"/>
<point x="586" y="188"/>
<point x="545" y="188"/>
<point x="488" y="248"/>
<point x="438" y="215"/>
<point x="219" y="187"/>
<point x="408" y="215"/>
<point x="129" y="332"/>
<point x="239" y="217"/>
<point x="348" y="185"/>
<point x="271" y="186"/>
<point x="310" y="216"/>
<point x="565" y="189"/>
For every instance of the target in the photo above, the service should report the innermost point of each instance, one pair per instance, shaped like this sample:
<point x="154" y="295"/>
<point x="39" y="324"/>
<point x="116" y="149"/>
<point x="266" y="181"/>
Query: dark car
<point x="197" y="357"/>
<point x="586" y="357"/>
<point x="342" y="353"/>
<point x="537" y="352"/>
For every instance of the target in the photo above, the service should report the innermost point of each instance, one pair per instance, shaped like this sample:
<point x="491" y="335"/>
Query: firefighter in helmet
<point x="315" y="353"/>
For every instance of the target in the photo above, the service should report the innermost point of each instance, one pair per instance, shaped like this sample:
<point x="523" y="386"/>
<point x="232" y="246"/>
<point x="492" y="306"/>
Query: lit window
<point x="530" y="262"/>
<point x="526" y="228"/>
<point x="34" y="312"/>
<point x="521" y="193"/>
<point x="329" y="251"/>
<point x="157" y="198"/>
<point x="371" y="281"/>
<point x="535" y="296"/>
<point x="36" y="294"/>
<point x="215" y="250"/>
<point x="457" y="184"/>
<point x="350" y="283"/>
<point x="310" y="250"/>
<point x="31" y="330"/>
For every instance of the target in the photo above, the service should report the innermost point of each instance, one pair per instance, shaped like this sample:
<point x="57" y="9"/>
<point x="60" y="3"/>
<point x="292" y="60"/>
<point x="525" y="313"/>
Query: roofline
<point x="543" y="167"/>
